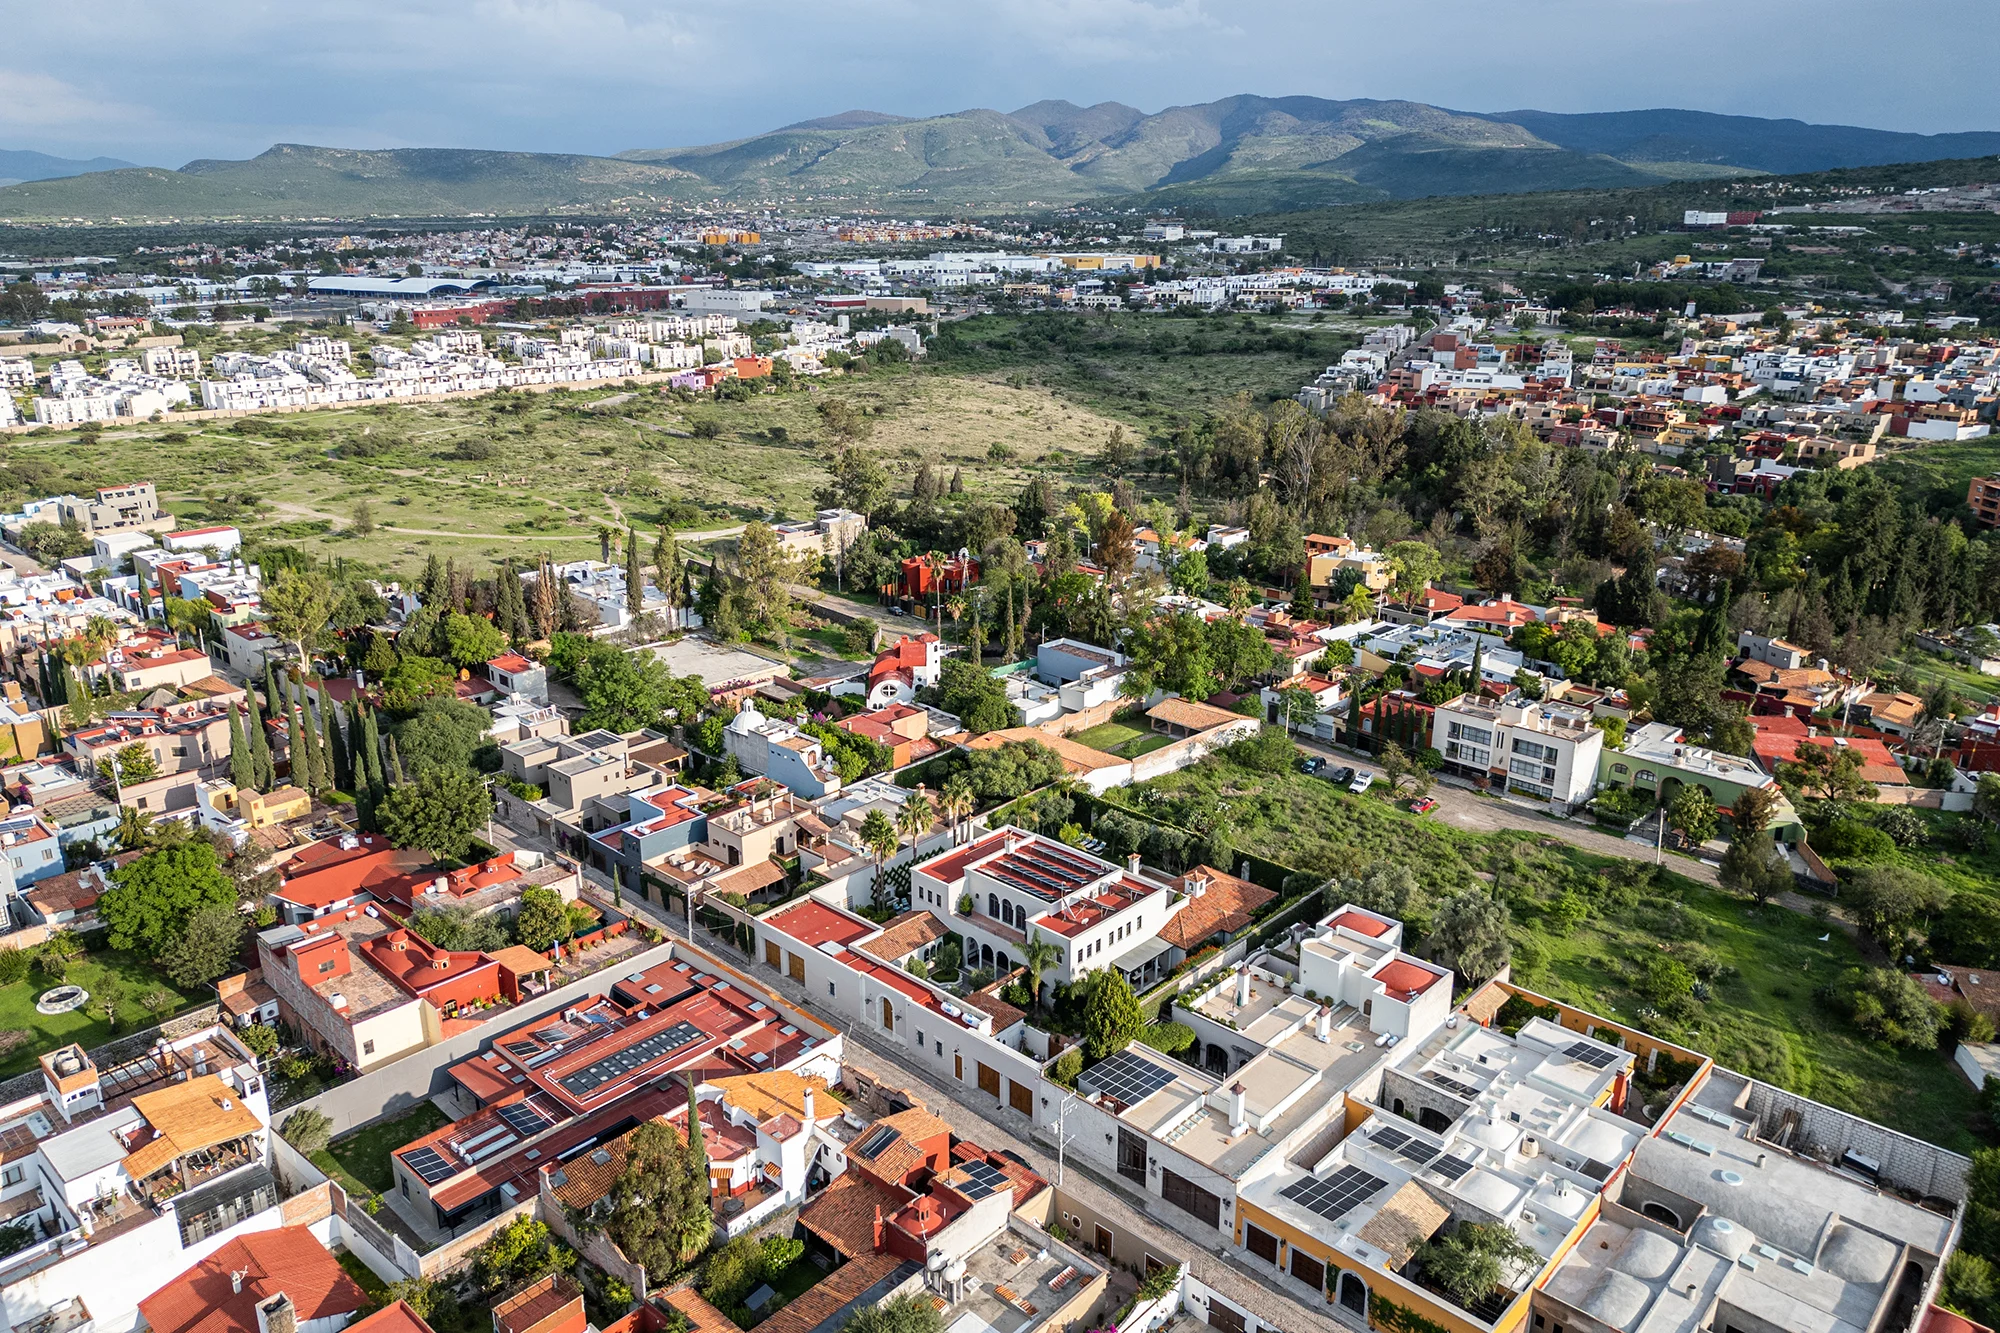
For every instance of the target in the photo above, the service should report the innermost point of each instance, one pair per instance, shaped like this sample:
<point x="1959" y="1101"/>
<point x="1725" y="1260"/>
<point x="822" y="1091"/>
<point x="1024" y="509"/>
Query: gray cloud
<point x="227" y="78"/>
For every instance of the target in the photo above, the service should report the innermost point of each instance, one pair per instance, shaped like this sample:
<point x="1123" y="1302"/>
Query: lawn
<point x="1122" y="739"/>
<point x="100" y="973"/>
<point x="360" y="1161"/>
<point x="364" y="1277"/>
<point x="1761" y="1016"/>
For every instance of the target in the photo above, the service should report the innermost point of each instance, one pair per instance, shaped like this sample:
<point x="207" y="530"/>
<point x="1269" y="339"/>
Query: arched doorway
<point x="986" y="955"/>
<point x="1216" y="1061"/>
<point x="1659" y="1212"/>
<point x="1353" y="1293"/>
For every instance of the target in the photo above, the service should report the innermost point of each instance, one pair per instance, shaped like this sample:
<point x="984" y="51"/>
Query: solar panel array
<point x="1455" y="1088"/>
<point x="429" y="1165"/>
<point x="987" y="1179"/>
<point x="871" y="1147"/>
<point x="1403" y="1145"/>
<point x="520" y="1050"/>
<point x="524" y="1119"/>
<point x="1045" y="872"/>
<point x="595" y="1075"/>
<point x="1594" y="1056"/>
<point x="1451" y="1168"/>
<point x="1333" y="1197"/>
<point x="1126" y="1078"/>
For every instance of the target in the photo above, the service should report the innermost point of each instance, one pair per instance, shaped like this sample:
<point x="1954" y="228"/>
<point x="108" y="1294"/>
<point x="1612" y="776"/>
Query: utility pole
<point x="1062" y="1134"/>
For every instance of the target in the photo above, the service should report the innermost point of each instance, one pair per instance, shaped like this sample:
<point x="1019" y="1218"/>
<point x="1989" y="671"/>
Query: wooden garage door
<point x="1309" y="1270"/>
<point x="1020" y="1097"/>
<point x="989" y="1082"/>
<point x="798" y="967"/>
<point x="771" y="954"/>
<point x="1260" y="1243"/>
<point x="1223" y="1317"/>
<point x="1191" y="1198"/>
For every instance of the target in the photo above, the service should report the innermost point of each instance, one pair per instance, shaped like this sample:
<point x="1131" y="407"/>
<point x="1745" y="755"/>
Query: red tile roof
<point x="813" y="923"/>
<point x="1226" y="906"/>
<point x="1367" y="925"/>
<point x="289" y="1260"/>
<point x="397" y="1318"/>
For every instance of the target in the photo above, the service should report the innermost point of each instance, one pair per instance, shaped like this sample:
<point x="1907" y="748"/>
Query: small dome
<point x="1618" y="1300"/>
<point x="1722" y="1236"/>
<point x="1648" y="1255"/>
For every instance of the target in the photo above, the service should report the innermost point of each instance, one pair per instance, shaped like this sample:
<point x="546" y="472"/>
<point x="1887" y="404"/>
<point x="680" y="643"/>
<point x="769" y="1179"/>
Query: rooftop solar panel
<point x="592" y="1076"/>
<point x="428" y="1165"/>
<point x="523" y="1119"/>
<point x="1451" y="1168"/>
<point x="1454" y="1087"/>
<point x="1594" y="1056"/>
<point x="1416" y="1150"/>
<point x="1388" y="1136"/>
<point x="872" y="1147"/>
<point x="1126" y="1078"/>
<point x="520" y="1049"/>
<point x="986" y="1179"/>
<point x="1333" y="1197"/>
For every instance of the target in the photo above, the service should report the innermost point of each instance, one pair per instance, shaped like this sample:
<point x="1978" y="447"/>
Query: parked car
<point x="1423" y="805"/>
<point x="1340" y="777"/>
<point x="1363" y="780"/>
<point x="895" y="610"/>
<point x="1311" y="764"/>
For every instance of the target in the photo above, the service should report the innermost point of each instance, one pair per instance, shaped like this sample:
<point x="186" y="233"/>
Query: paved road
<point x="1133" y="1212"/>
<point x="1486" y="814"/>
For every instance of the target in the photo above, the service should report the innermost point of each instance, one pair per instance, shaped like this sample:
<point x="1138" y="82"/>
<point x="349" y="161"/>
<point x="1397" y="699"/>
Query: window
<point x="1534" y="749"/>
<point x="829" y="988"/>
<point x="326" y="967"/>
<point x="14" y="1175"/>
<point x="1463" y="731"/>
<point x="368" y="1048"/>
<point x="1620" y="769"/>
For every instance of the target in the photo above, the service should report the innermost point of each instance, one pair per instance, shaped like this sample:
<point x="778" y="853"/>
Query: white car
<point x="1363" y="780"/>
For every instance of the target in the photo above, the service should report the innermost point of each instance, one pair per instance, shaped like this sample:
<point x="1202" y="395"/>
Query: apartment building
<point x="1657" y="761"/>
<point x="1536" y="748"/>
<point x="135" y="505"/>
<point x="191" y="738"/>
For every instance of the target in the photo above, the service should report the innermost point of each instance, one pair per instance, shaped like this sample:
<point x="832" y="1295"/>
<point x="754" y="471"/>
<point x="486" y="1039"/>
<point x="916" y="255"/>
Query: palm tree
<point x="955" y="803"/>
<point x="1037" y="957"/>
<point x="880" y="838"/>
<point x="916" y="817"/>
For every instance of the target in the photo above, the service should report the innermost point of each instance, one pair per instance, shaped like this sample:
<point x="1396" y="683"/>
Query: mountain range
<point x="1237" y="155"/>
<point x="19" y="164"/>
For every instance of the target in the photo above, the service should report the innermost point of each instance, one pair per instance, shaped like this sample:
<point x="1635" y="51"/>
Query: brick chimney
<point x="277" y="1315"/>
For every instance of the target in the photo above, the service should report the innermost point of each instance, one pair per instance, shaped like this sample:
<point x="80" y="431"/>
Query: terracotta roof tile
<point x="844" y="1214"/>
<point x="833" y="1293"/>
<point x="287" y="1259"/>
<point x="904" y="935"/>
<point x="1226" y="907"/>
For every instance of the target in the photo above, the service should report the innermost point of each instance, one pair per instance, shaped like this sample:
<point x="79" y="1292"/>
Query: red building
<point x="923" y="576"/>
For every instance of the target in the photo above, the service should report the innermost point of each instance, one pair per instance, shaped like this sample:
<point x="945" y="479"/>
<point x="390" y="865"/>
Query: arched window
<point x="1659" y="1212"/>
<point x="993" y="904"/>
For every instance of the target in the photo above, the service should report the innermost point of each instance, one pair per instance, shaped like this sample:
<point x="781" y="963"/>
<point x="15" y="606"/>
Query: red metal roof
<point x="289" y="1260"/>
<point x="1405" y="980"/>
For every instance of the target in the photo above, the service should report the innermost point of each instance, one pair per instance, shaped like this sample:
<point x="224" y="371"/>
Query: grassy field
<point x="124" y="974"/>
<point x="550" y="469"/>
<point x="360" y="1161"/>
<point x="1935" y="475"/>
<point x="1761" y="1016"/>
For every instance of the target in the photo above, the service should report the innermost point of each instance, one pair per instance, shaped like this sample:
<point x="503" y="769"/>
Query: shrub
<point x="14" y="964"/>
<point x="1904" y="826"/>
<point x="1169" y="1038"/>
<point x="1067" y="1066"/>
<point x="261" y="1040"/>
<point x="1851" y="840"/>
<point x="1893" y="1007"/>
<point x="1269" y="751"/>
<point x="307" y="1130"/>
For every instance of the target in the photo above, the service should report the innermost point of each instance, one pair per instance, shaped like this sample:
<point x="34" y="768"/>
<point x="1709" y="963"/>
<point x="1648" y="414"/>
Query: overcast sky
<point x="163" y="83"/>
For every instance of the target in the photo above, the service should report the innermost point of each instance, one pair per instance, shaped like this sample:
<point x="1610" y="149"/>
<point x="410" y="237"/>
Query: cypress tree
<point x="635" y="580"/>
<point x="264" y="773"/>
<point x="242" y="763"/>
<point x="295" y="749"/>
<point x="80" y="691"/>
<point x="431" y="587"/>
<point x="371" y="754"/>
<point x="338" y="775"/>
<point x="316" y="772"/>
<point x="45" y="690"/>
<point x="1478" y="658"/>
<point x="273" y="701"/>
<point x="395" y="763"/>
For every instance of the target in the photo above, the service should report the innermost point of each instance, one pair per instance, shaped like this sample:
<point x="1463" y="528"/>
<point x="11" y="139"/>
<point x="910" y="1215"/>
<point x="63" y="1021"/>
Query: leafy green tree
<point x="1752" y="811"/>
<point x="135" y="764"/>
<point x="1891" y="902"/>
<point x="1475" y="1258"/>
<point x="1415" y="566"/>
<point x="438" y="812"/>
<point x="651" y="1196"/>
<point x="152" y="901"/>
<point x="542" y="920"/>
<point x="1111" y="1014"/>
<point x="1011" y="770"/>
<point x="472" y="641"/>
<point x="975" y="696"/>
<point x="911" y="1312"/>
<point x="1753" y="866"/>
<point x="518" y="1254"/>
<point x="622" y="691"/>
<point x="1471" y="927"/>
<point x="298" y="604"/>
<point x="1170" y="653"/>
<point x="207" y="946"/>
<point x="457" y="927"/>
<point x="1038" y="955"/>
<point x="443" y="734"/>
<point x="414" y="679"/>
<point x="880" y="839"/>
<point x="1692" y="813"/>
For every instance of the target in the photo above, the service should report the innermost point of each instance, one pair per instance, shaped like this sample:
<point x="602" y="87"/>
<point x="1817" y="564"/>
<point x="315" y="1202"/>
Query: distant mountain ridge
<point x="21" y="164"/>
<point x="1235" y="155"/>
